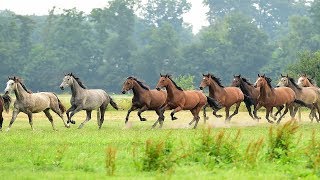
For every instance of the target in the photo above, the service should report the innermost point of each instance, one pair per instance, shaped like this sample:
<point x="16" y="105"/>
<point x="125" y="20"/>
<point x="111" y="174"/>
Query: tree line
<point x="143" y="39"/>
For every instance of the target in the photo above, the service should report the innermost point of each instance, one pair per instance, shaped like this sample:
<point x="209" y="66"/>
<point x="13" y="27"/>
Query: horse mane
<point x="169" y="76"/>
<point x="78" y="80"/>
<point x="246" y="81"/>
<point x="19" y="80"/>
<point x="294" y="83"/>
<point x="268" y="81"/>
<point x="139" y="82"/>
<point x="311" y="81"/>
<point x="217" y="80"/>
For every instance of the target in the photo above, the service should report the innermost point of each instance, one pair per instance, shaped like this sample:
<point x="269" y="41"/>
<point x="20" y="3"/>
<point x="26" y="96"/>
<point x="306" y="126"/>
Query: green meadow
<point x="242" y="149"/>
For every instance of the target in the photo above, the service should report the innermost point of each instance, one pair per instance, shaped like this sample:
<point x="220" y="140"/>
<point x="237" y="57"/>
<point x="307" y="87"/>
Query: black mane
<point x="139" y="82"/>
<point x="217" y="80"/>
<point x="246" y="81"/>
<point x="78" y="80"/>
<point x="19" y="80"/>
<point x="311" y="81"/>
<point x="268" y="81"/>
<point x="169" y="76"/>
<point x="294" y="83"/>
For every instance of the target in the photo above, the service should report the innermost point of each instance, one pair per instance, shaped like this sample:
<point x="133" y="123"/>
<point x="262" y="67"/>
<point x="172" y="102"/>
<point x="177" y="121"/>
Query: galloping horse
<point x="272" y="97"/>
<point x="143" y="98"/>
<point x="305" y="81"/>
<point x="5" y="101"/>
<point x="226" y="96"/>
<point x="86" y="99"/>
<point x="178" y="99"/>
<point x="29" y="103"/>
<point x="308" y="95"/>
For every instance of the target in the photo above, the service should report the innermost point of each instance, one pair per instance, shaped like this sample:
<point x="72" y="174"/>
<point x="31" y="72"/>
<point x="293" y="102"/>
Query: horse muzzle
<point x="61" y="87"/>
<point x="123" y="92"/>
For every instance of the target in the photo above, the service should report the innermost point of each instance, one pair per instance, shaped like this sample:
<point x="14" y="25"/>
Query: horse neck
<point x="20" y="92"/>
<point x="215" y="89"/>
<point x="246" y="88"/>
<point x="137" y="89"/>
<point x="172" y="90"/>
<point x="265" y="91"/>
<point x="76" y="89"/>
<point x="294" y="88"/>
<point x="309" y="84"/>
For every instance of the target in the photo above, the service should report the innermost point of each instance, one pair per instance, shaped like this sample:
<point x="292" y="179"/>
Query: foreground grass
<point x="81" y="153"/>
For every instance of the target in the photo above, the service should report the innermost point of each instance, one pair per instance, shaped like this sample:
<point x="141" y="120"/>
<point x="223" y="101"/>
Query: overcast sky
<point x="40" y="7"/>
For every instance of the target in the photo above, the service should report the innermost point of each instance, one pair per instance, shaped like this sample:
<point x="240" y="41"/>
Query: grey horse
<point x="30" y="103"/>
<point x="86" y="99"/>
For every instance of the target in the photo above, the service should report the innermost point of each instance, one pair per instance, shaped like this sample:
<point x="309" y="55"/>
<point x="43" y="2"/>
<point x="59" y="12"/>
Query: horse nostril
<point x="123" y="92"/>
<point x="61" y="87"/>
<point x="201" y="88"/>
<point x="158" y="89"/>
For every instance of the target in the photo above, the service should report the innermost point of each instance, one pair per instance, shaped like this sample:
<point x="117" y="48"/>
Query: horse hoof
<point x="174" y="118"/>
<point x="143" y="119"/>
<point x="271" y="122"/>
<point x="73" y="122"/>
<point x="219" y="116"/>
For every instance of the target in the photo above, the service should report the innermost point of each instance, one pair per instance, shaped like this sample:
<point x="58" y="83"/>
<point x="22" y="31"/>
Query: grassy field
<point x="176" y="151"/>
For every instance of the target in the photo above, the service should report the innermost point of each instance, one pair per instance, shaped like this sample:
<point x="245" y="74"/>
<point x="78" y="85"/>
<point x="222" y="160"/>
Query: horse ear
<point x="264" y="75"/>
<point x="287" y="75"/>
<point x="258" y="75"/>
<point x="203" y="74"/>
<point x="160" y="75"/>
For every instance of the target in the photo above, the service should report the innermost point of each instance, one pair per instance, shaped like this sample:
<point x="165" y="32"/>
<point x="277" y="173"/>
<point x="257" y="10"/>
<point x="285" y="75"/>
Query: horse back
<point x="284" y="95"/>
<point x="156" y="98"/>
<point x="194" y="98"/>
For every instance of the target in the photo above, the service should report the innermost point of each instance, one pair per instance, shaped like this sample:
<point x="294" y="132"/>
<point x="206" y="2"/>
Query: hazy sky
<point x="40" y="7"/>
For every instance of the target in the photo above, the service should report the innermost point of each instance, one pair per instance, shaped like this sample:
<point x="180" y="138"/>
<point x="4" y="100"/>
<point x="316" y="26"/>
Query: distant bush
<point x="186" y="82"/>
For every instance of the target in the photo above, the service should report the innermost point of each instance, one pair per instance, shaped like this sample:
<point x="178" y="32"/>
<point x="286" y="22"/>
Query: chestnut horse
<point x="226" y="96"/>
<point x="178" y="99"/>
<point x="305" y="81"/>
<point x="5" y="101"/>
<point x="272" y="97"/>
<point x="251" y="95"/>
<point x="143" y="98"/>
<point x="308" y="95"/>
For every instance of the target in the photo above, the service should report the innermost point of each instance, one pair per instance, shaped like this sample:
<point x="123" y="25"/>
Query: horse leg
<point x="102" y="111"/>
<point x="47" y="112"/>
<point x="87" y="119"/>
<point x="72" y="108"/>
<point x="160" y="118"/>
<point x="236" y="110"/>
<point x="1" y="121"/>
<point x="318" y="110"/>
<point x="268" y="110"/>
<point x="144" y="108"/>
<point x="14" y="116"/>
<point x="248" y="106"/>
<point x="30" y="119"/>
<point x="227" y="114"/>
<point x="77" y="109"/>
<point x="285" y="112"/>
<point x="129" y="111"/>
<point x="195" y="113"/>
<point x="59" y="113"/>
<point x="204" y="113"/>
<point x="177" y="109"/>
<point x="255" y="110"/>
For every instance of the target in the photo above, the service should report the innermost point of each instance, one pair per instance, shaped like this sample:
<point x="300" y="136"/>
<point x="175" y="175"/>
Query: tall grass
<point x="313" y="154"/>
<point x="252" y="152"/>
<point x="111" y="160"/>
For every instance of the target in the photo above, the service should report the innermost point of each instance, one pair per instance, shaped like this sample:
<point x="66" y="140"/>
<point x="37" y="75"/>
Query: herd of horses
<point x="169" y="96"/>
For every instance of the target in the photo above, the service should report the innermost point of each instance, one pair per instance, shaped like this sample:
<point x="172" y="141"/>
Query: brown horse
<point x="5" y="101"/>
<point x="143" y="98"/>
<point x="178" y="99"/>
<point x="272" y="97"/>
<point x="305" y="81"/>
<point x="251" y="95"/>
<point x="226" y="96"/>
<point x="308" y="95"/>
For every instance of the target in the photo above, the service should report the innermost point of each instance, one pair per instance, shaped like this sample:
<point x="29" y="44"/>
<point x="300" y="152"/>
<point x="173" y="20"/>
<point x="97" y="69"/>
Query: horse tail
<point x="61" y="106"/>
<point x="301" y="103"/>
<point x="7" y="101"/>
<point x="213" y="103"/>
<point x="113" y="104"/>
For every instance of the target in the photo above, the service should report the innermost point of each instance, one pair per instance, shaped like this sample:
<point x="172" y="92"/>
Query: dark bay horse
<point x="272" y="97"/>
<point x="143" y="98"/>
<point x="5" y="101"/>
<point x="86" y="99"/>
<point x="225" y="96"/>
<point x="308" y="95"/>
<point x="178" y="99"/>
<point x="29" y="103"/>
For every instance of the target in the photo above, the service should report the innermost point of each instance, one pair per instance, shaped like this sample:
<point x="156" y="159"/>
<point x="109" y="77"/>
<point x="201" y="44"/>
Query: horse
<point x="179" y="99"/>
<point x="308" y="95"/>
<point x="5" y="101"/>
<point x="226" y="96"/>
<point x="86" y="99"/>
<point x="251" y="95"/>
<point x="272" y="97"/>
<point x="143" y="98"/>
<point x="305" y="81"/>
<point x="29" y="103"/>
